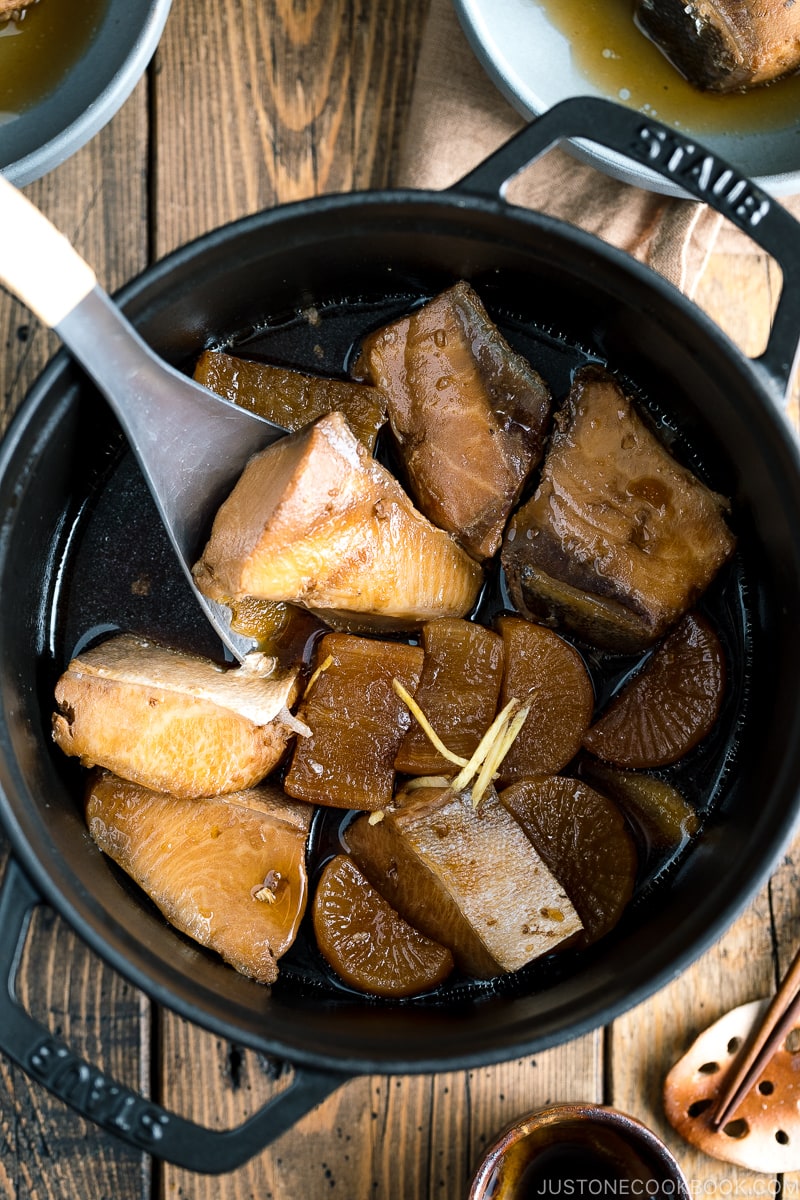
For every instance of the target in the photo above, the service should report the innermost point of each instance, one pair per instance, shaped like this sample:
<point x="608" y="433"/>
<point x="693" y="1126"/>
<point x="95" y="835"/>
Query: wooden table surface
<point x="249" y="103"/>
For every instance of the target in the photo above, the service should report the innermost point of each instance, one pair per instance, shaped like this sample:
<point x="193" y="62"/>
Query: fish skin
<point x="199" y="860"/>
<point x="619" y="540"/>
<point x="469" y="414"/>
<point x="724" y="45"/>
<point x="468" y="879"/>
<point x="163" y="727"/>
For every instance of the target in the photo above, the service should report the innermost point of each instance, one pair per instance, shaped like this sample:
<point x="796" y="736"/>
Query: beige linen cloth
<point x="458" y="117"/>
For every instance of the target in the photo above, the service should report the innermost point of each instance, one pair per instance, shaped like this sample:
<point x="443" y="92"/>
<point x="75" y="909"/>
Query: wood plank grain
<point x="649" y="1040"/>
<point x="314" y="99"/>
<point x="393" y="1138"/>
<point x="98" y="199"/>
<point x="785" y="897"/>
<point x="105" y="1020"/>
<point x="471" y="1108"/>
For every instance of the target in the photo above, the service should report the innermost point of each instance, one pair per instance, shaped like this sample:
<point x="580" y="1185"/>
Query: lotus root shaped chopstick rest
<point x="763" y="1132"/>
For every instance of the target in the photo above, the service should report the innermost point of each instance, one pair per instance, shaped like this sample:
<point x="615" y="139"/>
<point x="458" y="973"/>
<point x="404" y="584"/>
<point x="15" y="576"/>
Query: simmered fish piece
<point x="619" y="540"/>
<point x="171" y="721"/>
<point x="468" y="412"/>
<point x="14" y="8"/>
<point x="467" y="878"/>
<point x="316" y="521"/>
<point x="725" y="45"/>
<point x="289" y="398"/>
<point x="228" y="871"/>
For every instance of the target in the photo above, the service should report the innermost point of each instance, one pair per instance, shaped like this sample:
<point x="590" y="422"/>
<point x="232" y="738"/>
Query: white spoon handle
<point x="37" y="263"/>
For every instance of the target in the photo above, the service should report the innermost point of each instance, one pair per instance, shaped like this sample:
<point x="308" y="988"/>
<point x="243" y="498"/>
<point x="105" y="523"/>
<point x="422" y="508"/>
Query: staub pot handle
<point x="693" y="168"/>
<point x="133" y="1118"/>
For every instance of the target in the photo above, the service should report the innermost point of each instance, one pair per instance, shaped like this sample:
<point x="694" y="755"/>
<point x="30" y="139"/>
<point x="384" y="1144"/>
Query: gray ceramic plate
<point x="532" y="63"/>
<point x="89" y="96"/>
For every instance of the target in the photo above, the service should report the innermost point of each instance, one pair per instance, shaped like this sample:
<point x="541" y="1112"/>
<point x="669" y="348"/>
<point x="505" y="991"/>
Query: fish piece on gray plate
<point x="725" y="45"/>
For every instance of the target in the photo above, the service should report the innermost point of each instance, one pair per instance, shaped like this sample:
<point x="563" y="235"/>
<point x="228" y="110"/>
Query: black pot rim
<point x="171" y="987"/>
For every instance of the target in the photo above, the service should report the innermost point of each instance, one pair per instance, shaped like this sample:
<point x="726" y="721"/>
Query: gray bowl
<point x="88" y="97"/>
<point x="531" y="63"/>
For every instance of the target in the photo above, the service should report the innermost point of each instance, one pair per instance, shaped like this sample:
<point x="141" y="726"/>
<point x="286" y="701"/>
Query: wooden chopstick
<point x="779" y="1019"/>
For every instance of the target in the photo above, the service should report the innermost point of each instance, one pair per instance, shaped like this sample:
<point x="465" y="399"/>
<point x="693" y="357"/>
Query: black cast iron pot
<point x="78" y="530"/>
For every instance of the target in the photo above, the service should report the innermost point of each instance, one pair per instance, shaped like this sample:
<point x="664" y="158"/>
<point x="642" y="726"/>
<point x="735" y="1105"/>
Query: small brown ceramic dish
<point x="577" y="1150"/>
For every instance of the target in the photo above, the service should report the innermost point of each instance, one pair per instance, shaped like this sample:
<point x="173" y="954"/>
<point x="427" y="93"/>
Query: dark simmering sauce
<point x="120" y="573"/>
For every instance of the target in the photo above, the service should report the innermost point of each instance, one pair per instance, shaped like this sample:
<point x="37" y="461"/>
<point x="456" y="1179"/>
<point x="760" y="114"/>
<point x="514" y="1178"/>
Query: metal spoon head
<point x="191" y="444"/>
